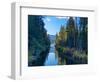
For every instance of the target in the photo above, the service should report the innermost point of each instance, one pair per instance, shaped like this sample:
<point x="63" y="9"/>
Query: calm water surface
<point x="52" y="58"/>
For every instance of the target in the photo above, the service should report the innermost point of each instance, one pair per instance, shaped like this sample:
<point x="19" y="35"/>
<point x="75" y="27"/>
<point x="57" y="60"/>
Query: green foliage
<point x="38" y="41"/>
<point x="61" y="37"/>
<point x="71" y="42"/>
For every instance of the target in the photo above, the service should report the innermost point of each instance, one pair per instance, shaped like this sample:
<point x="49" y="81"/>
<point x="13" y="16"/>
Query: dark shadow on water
<point x="40" y="59"/>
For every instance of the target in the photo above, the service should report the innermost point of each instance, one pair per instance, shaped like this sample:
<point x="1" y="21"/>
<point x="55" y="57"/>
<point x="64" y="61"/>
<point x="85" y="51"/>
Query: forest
<point x="70" y="43"/>
<point x="38" y="41"/>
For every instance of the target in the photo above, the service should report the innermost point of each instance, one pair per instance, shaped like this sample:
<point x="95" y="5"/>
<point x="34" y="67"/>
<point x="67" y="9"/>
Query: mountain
<point x="52" y="38"/>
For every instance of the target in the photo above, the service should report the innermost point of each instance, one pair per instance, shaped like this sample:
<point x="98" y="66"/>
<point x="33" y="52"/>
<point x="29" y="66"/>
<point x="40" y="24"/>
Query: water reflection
<point x="53" y="58"/>
<point x="49" y="58"/>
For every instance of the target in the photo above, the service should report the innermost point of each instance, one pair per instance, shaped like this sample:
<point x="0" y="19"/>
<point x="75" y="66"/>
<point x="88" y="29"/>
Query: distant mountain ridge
<point x="52" y="38"/>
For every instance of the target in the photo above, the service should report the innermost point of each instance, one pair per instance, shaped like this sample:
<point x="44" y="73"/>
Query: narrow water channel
<point x="52" y="58"/>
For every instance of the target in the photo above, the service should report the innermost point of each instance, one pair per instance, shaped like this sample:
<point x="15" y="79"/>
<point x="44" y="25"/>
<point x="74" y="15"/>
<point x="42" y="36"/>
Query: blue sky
<point x="53" y="24"/>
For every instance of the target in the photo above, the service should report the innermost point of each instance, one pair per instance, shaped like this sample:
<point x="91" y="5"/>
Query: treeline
<point x="71" y="41"/>
<point x="38" y="41"/>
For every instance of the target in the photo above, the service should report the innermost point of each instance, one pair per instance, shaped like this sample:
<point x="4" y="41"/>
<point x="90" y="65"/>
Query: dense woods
<point x="38" y="41"/>
<point x="71" y="41"/>
<point x="67" y="46"/>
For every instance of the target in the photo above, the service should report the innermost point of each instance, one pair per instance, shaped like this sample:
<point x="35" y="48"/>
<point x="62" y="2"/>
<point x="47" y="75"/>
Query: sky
<point x="53" y="23"/>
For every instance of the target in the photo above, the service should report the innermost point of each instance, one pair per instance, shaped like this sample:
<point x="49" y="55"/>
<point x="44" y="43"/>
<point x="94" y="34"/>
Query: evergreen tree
<point x="38" y="41"/>
<point x="71" y="41"/>
<point x="83" y="34"/>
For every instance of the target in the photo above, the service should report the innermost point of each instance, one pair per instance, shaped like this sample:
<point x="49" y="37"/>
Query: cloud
<point x="48" y="19"/>
<point x="61" y="17"/>
<point x="68" y="17"/>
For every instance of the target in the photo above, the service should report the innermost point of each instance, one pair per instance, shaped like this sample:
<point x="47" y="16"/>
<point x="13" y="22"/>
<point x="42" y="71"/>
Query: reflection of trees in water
<point x="71" y="41"/>
<point x="38" y="40"/>
<point x="68" y="58"/>
<point x="39" y="61"/>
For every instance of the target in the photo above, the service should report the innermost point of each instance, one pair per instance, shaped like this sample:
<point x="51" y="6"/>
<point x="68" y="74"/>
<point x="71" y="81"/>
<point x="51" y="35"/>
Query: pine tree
<point x="38" y="40"/>
<point x="83" y="35"/>
<point x="71" y="41"/>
